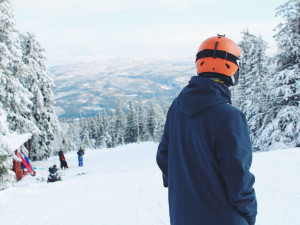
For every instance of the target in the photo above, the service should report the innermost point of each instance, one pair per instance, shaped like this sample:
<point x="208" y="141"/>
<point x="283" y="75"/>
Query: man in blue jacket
<point x="205" y="153"/>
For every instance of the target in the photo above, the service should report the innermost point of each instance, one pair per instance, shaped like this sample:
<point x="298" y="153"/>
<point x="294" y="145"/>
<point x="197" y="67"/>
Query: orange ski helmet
<point x="218" y="57"/>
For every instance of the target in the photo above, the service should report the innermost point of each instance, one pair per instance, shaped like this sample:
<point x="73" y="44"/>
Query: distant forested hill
<point x="88" y="88"/>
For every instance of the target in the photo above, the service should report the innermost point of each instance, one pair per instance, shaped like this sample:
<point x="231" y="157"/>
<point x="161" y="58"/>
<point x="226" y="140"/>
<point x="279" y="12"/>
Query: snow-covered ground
<point x="123" y="186"/>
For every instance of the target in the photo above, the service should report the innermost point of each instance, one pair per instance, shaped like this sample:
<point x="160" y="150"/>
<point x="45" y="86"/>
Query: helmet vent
<point x="202" y="63"/>
<point x="228" y="67"/>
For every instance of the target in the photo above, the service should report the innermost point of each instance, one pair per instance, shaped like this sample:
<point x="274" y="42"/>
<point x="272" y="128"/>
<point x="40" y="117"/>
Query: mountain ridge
<point x="86" y="88"/>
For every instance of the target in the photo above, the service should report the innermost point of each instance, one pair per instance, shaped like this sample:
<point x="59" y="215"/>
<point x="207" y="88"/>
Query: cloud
<point x="80" y="29"/>
<point x="98" y="6"/>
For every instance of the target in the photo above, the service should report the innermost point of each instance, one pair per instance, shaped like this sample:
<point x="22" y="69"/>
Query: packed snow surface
<point x="123" y="186"/>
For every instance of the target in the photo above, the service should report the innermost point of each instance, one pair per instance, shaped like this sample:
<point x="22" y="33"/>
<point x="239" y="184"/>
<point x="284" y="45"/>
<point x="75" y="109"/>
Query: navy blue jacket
<point x="205" y="155"/>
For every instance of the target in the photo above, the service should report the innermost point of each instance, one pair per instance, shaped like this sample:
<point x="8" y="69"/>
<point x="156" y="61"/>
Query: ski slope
<point x="123" y="186"/>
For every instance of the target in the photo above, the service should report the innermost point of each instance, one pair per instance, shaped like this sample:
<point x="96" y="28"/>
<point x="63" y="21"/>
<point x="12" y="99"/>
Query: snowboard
<point x="26" y="164"/>
<point x="80" y="161"/>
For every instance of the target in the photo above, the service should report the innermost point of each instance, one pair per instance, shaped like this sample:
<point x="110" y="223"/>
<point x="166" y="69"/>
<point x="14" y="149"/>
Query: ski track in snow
<point x="123" y="186"/>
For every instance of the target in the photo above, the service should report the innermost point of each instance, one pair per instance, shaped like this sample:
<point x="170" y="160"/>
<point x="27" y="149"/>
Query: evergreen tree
<point x="100" y="133"/>
<point x="13" y="96"/>
<point x="26" y="86"/>
<point x="162" y="115"/>
<point x="40" y="84"/>
<point x="82" y="128"/>
<point x="143" y="134"/>
<point x="248" y="50"/>
<point x="252" y="91"/>
<point x="65" y="138"/>
<point x="120" y="123"/>
<point x="288" y="34"/>
<point x="107" y="137"/>
<point x="73" y="133"/>
<point x="86" y="142"/>
<point x="281" y="129"/>
<point x="92" y="130"/>
<point x="7" y="177"/>
<point x="111" y="142"/>
<point x="155" y="121"/>
<point x="257" y="107"/>
<point x="131" y="132"/>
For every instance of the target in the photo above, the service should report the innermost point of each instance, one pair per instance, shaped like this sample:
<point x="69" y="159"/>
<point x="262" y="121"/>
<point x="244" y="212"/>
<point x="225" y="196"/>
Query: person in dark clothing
<point x="205" y="153"/>
<point x="53" y="176"/>
<point x="80" y="154"/>
<point x="62" y="159"/>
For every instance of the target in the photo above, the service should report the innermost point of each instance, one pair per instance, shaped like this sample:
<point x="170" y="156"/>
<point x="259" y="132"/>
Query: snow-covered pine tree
<point x="100" y="135"/>
<point x="111" y="129"/>
<point x="85" y="141"/>
<point x="7" y="176"/>
<point x="155" y="121"/>
<point x="258" y="107"/>
<point x="283" y="127"/>
<point x="152" y="119"/>
<point x="131" y="131"/>
<point x="65" y="139"/>
<point x="162" y="114"/>
<point x="251" y="95"/>
<point x="288" y="35"/>
<point x="73" y="133"/>
<point x="120" y="123"/>
<point x="107" y="137"/>
<point x="242" y="90"/>
<point x="143" y="133"/>
<point x="82" y="128"/>
<point x="40" y="84"/>
<point x="92" y="130"/>
<point x="14" y="97"/>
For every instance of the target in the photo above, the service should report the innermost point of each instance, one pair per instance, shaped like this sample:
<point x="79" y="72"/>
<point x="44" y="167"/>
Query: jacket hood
<point x="201" y="94"/>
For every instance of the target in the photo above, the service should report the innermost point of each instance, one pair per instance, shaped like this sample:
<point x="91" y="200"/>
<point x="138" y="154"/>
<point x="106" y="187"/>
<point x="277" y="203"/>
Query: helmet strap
<point x="217" y="54"/>
<point x="216" y="45"/>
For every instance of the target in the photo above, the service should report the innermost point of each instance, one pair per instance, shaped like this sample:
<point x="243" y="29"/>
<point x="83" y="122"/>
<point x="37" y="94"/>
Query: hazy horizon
<point x="78" y="31"/>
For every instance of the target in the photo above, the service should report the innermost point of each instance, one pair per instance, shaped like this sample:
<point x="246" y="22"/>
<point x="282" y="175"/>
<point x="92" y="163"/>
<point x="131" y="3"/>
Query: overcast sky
<point x="84" y="30"/>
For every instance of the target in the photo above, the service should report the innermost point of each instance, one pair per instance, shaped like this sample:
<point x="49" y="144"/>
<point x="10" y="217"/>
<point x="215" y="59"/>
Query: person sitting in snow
<point x="80" y="154"/>
<point x="53" y="176"/>
<point x="62" y="159"/>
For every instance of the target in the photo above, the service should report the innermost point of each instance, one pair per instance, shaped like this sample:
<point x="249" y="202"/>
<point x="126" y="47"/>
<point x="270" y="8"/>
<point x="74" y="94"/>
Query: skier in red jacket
<point x="62" y="159"/>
